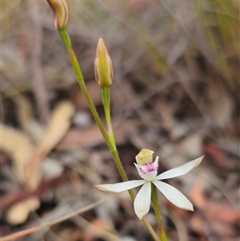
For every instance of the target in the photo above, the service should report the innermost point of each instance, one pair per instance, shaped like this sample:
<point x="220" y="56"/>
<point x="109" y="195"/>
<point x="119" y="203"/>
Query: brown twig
<point x="38" y="85"/>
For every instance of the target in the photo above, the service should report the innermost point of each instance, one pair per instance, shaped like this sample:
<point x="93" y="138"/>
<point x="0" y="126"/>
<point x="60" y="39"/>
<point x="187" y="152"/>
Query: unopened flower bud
<point x="103" y="65"/>
<point x="144" y="156"/>
<point x="60" y="10"/>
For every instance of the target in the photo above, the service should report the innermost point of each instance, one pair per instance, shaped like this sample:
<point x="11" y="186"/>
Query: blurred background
<point x="176" y="91"/>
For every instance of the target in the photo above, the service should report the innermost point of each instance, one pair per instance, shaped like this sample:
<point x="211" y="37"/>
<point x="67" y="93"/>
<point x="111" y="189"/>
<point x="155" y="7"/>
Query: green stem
<point x="106" y="103"/>
<point x="107" y="110"/>
<point x="73" y="59"/>
<point x="74" y="62"/>
<point x="162" y="234"/>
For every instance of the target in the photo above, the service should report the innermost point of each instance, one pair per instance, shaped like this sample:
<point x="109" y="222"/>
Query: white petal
<point x="173" y="195"/>
<point x="143" y="200"/>
<point x="120" y="187"/>
<point x="181" y="170"/>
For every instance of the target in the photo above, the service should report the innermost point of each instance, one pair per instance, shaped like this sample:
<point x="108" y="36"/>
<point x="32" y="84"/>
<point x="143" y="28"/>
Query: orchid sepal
<point x="120" y="187"/>
<point x="180" y="170"/>
<point x="174" y="195"/>
<point x="142" y="201"/>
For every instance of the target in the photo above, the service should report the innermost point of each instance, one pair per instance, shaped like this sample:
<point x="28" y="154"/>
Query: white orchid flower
<point x="147" y="169"/>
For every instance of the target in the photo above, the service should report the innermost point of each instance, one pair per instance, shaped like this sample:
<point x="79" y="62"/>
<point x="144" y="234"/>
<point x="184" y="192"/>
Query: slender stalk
<point x="161" y="230"/>
<point x="73" y="59"/>
<point x="107" y="110"/>
<point x="106" y="103"/>
<point x="112" y="147"/>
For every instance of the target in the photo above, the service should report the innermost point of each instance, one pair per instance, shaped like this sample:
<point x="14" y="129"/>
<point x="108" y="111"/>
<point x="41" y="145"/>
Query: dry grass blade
<point x="35" y="229"/>
<point x="19" y="146"/>
<point x="38" y="84"/>
<point x="25" y="115"/>
<point x="57" y="127"/>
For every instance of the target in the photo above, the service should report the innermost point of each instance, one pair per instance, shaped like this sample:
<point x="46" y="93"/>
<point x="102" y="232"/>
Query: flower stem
<point x="118" y="163"/>
<point x="161" y="230"/>
<point x="73" y="59"/>
<point x="109" y="141"/>
<point x="107" y="110"/>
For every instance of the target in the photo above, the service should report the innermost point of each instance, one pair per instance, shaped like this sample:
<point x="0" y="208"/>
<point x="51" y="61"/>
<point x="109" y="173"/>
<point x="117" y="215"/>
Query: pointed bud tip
<point x="60" y="10"/>
<point x="101" y="42"/>
<point x="103" y="65"/>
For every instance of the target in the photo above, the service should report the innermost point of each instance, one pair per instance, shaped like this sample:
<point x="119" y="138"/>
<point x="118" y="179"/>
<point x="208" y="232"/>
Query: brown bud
<point x="60" y="10"/>
<point x="103" y="65"/>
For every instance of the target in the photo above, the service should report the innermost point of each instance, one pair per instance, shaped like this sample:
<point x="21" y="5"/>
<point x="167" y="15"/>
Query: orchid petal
<point x="180" y="170"/>
<point x="143" y="200"/>
<point x="147" y="174"/>
<point x="120" y="187"/>
<point x="173" y="195"/>
<point x="144" y="156"/>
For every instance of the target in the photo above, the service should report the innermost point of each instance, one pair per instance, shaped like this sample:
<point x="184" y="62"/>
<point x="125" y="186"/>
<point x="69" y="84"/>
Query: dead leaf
<point x="26" y="118"/>
<point x="22" y="151"/>
<point x="26" y="156"/>
<point x="92" y="136"/>
<point x="57" y="127"/>
<point x="19" y="212"/>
